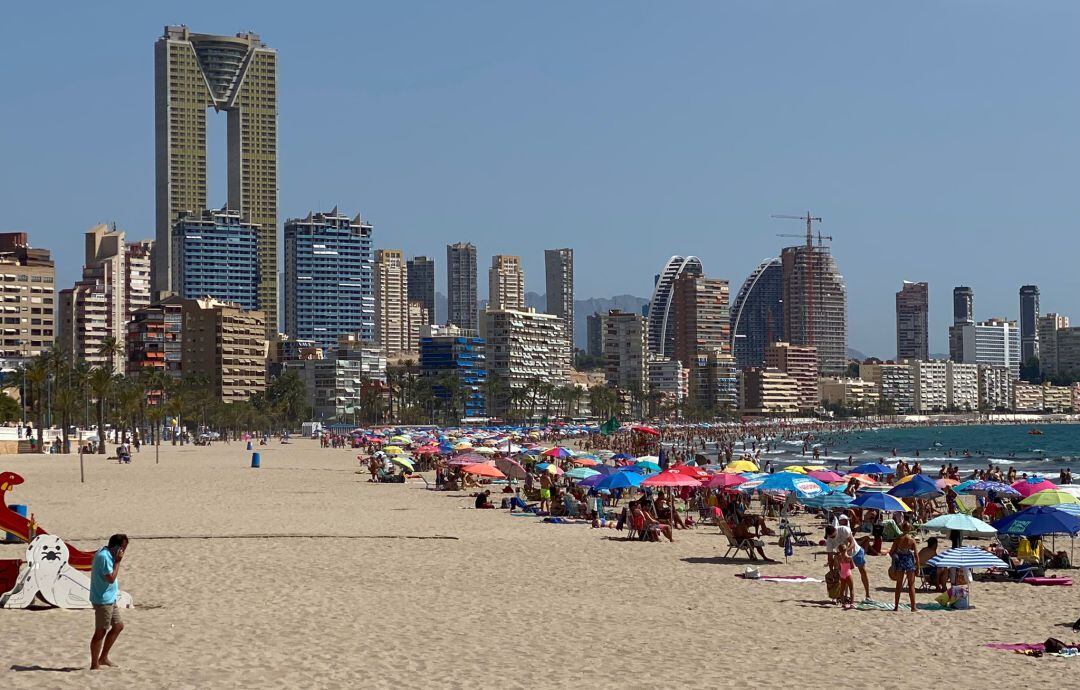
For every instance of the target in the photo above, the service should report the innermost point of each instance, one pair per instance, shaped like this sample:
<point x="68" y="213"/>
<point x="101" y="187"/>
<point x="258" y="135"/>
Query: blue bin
<point x="249" y="445"/>
<point x="255" y="460"/>
<point x="22" y="510"/>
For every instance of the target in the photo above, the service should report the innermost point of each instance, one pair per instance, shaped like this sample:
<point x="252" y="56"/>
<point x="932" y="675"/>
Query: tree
<point x="1030" y="370"/>
<point x="100" y="383"/>
<point x="110" y="349"/>
<point x="10" y="410"/>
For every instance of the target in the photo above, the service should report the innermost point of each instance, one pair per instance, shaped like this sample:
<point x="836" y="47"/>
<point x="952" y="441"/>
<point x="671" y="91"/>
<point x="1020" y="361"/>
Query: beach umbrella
<point x="861" y="479"/>
<point x="592" y="480"/>
<point x="872" y="468"/>
<point x="558" y="452"/>
<point x="787" y="481"/>
<point x="724" y="481"/>
<point x="1032" y="485"/>
<point x="962" y="487"/>
<point x="645" y="430"/>
<point x="739" y="466"/>
<point x="827" y="476"/>
<point x="427" y="450"/>
<point x="958" y="522"/>
<point x="485" y="451"/>
<point x="670" y="478"/>
<point x="797" y="469"/>
<point x="404" y="462"/>
<point x="582" y="473"/>
<point x="879" y="501"/>
<point x="620" y="480"/>
<point x="691" y="471"/>
<point x="1070" y="508"/>
<point x="985" y="487"/>
<point x="1049" y="497"/>
<point x="1037" y="521"/>
<point x="944" y="482"/>
<point x="511" y="468"/>
<point x="393" y="450"/>
<point x="966" y="557"/>
<point x="647" y="463"/>
<point x="918" y="487"/>
<point x="484" y="470"/>
<point x="828" y="501"/>
<point x="622" y="456"/>
<point x="585" y="462"/>
<point x="1073" y="489"/>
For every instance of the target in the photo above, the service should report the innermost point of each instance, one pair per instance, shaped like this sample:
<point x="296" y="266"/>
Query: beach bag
<point x="832" y="583"/>
<point x="958" y="597"/>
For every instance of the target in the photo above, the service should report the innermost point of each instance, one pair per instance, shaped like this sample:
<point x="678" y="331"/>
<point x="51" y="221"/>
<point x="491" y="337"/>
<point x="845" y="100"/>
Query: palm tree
<point x="36" y="376"/>
<point x="110" y="349"/>
<point x="100" y="382"/>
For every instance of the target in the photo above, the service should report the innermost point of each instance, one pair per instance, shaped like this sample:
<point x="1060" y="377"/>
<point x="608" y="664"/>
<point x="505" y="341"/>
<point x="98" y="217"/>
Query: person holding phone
<point x="103" y="592"/>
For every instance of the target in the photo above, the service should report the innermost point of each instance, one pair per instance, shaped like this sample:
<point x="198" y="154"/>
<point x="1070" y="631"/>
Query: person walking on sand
<point x="103" y="591"/>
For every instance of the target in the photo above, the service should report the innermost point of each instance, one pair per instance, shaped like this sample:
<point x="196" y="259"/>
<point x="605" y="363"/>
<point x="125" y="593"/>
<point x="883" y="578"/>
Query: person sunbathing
<point x="664" y="512"/>
<point x="931" y="573"/>
<point x="483" y="500"/>
<point x="747" y="529"/>
<point x="652" y="525"/>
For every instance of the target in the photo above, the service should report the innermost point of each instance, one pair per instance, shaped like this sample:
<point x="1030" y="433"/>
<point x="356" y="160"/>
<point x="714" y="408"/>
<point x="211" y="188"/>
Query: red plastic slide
<point x="12" y="522"/>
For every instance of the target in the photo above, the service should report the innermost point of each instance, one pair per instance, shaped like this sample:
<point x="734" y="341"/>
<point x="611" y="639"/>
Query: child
<point x="847" y="584"/>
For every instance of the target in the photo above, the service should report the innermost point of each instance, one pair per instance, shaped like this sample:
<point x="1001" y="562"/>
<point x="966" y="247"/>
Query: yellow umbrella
<point x="741" y="466"/>
<point x="1049" y="497"/>
<point x="393" y="450"/>
<point x="484" y="451"/>
<point x="404" y="462"/>
<point x="904" y="479"/>
<point x="796" y="469"/>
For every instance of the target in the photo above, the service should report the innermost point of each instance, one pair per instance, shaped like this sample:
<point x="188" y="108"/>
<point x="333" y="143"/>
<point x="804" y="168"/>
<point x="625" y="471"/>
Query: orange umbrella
<point x="584" y="462"/>
<point x="484" y="470"/>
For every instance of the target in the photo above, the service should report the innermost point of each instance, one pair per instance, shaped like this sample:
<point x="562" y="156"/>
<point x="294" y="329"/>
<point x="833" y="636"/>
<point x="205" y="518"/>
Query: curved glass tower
<point x="661" y="327"/>
<point x="757" y="315"/>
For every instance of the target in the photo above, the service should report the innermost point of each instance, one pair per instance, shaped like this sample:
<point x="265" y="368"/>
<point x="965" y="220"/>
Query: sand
<point x="350" y="584"/>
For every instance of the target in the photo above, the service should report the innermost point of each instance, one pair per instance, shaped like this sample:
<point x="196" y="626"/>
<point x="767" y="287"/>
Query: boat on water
<point x="1035" y="432"/>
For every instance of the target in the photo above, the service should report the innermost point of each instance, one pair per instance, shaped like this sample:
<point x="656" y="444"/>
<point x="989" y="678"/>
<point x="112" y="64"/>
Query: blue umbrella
<point x="620" y="480"/>
<point x="1037" y="521"/>
<point x="879" y="501"/>
<point x="985" y="487"/>
<point x="1070" y="508"/>
<point x="918" y="486"/>
<point x="581" y="473"/>
<point x="872" y="468"/>
<point x="622" y="456"/>
<point x="836" y="499"/>
<point x="788" y="481"/>
<point x="592" y="480"/>
<point x="966" y="557"/>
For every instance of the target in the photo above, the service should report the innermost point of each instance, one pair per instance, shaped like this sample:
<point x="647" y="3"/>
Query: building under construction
<point x="815" y="304"/>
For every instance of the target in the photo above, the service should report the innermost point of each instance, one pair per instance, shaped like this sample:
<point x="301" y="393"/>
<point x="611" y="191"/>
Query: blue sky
<point x="937" y="139"/>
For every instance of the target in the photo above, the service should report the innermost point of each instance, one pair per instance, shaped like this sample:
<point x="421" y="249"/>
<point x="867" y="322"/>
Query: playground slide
<point x="12" y="522"/>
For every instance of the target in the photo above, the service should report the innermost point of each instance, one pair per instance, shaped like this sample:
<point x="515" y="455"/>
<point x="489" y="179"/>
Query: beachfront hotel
<point x="625" y="353"/>
<point x="994" y="341"/>
<point x="523" y="347"/>
<point x="227" y="345"/>
<point x="801" y="364"/>
<point x="335" y="384"/>
<point x="28" y="283"/>
<point x="768" y="392"/>
<point x="328" y="278"/>
<point x="155" y="339"/>
<point x="449" y="351"/>
<point x="232" y="74"/>
<point x="214" y="254"/>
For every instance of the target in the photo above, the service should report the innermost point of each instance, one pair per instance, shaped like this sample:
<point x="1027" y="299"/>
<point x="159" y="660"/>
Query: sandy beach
<point x="303" y="574"/>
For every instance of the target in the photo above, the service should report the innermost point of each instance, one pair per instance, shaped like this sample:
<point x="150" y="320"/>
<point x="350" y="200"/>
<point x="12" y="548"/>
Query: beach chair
<point x="736" y="545"/>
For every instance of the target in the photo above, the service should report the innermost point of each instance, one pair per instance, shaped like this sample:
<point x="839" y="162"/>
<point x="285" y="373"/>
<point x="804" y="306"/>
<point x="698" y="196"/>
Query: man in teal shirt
<point x="103" y="590"/>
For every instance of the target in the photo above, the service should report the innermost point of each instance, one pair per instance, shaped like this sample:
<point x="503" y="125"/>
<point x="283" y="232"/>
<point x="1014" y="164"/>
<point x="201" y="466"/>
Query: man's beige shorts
<point x="106" y="616"/>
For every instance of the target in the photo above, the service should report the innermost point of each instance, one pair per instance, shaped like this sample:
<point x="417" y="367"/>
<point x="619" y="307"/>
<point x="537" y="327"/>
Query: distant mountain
<point x="852" y="353"/>
<point x="582" y="309"/>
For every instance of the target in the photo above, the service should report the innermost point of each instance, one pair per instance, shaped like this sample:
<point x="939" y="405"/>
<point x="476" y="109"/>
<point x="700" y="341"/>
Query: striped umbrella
<point x="827" y="501"/>
<point x="967" y="557"/>
<point x="1070" y="508"/>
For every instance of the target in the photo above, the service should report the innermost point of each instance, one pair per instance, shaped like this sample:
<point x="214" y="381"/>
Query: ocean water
<point x="968" y="447"/>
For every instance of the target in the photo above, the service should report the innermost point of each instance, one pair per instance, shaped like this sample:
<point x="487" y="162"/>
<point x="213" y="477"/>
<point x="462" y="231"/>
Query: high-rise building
<point x="594" y="334"/>
<point x="1029" y="322"/>
<point x="995" y="341"/>
<point x="625" y="353"/>
<point x="336" y="384"/>
<point x="995" y="388"/>
<point x="559" y="288"/>
<point x="757" y="316"/>
<point x="661" y="318"/>
<point x="1026" y="397"/>
<point x="860" y="396"/>
<point x="137" y="264"/>
<point x="815" y="305"/>
<point x="226" y="345"/>
<point x="1059" y="346"/>
<point x="962" y="386"/>
<point x="28" y="278"/>
<point x="522" y="347"/>
<point x="461" y="305"/>
<point x="238" y="75"/>
<point x="506" y="283"/>
<point x="912" y="327"/>
<point x="215" y="254"/>
<point x="94" y="311"/>
<point x="391" y="301"/>
<point x="669" y="378"/>
<point x="800" y="362"/>
<point x="155" y="339"/>
<point x="963" y="315"/>
<point x="422" y="284"/>
<point x="931" y="386"/>
<point x="701" y="322"/>
<point x="895" y="383"/>
<point x="329" y="283"/>
<point x="448" y="351"/>
<point x="418" y="320"/>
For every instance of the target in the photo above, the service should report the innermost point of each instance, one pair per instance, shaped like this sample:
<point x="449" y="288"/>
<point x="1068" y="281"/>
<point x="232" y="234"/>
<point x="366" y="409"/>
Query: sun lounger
<point x="737" y="545"/>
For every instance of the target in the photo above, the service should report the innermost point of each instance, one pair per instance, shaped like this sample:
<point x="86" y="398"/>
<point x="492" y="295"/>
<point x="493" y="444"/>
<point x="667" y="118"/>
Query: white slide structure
<point x="48" y="574"/>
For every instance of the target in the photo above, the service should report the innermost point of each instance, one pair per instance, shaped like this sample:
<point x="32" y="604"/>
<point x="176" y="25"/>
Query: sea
<point x="968" y="447"/>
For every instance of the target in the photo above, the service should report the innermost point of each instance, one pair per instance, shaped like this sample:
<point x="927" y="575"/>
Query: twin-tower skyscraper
<point x="236" y="75"/>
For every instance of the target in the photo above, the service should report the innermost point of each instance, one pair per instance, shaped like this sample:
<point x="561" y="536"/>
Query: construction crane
<point x="809" y="220"/>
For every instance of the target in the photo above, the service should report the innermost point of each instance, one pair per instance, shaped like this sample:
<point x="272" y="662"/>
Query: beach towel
<point x="791" y="579"/>
<point x="872" y="605"/>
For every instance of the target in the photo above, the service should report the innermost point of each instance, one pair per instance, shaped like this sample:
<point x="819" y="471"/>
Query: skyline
<point x="443" y="140"/>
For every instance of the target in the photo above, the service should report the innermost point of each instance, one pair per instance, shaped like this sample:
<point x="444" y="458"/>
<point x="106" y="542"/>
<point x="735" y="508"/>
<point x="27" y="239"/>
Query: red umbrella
<point x="827" y="476"/>
<point x="427" y="450"/>
<point x="511" y="468"/>
<point x="645" y="430"/>
<point x="1029" y="486"/>
<point x="724" y="481"/>
<point x="466" y="460"/>
<point x="482" y="470"/>
<point x="670" y="478"/>
<point x="691" y="471"/>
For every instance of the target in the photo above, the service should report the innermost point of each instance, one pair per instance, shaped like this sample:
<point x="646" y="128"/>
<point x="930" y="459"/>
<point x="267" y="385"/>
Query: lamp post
<point x="82" y="468"/>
